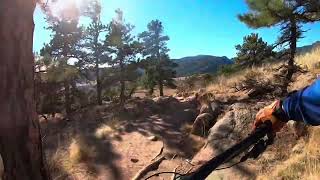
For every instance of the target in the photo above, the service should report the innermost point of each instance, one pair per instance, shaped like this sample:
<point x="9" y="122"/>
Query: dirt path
<point x="136" y="149"/>
<point x="132" y="142"/>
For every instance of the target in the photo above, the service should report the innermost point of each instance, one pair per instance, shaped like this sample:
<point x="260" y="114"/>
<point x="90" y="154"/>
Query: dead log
<point x="150" y="167"/>
<point x="160" y="152"/>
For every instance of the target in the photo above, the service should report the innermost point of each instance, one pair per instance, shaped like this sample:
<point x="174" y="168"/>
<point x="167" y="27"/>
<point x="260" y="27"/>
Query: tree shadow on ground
<point x="59" y="135"/>
<point x="167" y="123"/>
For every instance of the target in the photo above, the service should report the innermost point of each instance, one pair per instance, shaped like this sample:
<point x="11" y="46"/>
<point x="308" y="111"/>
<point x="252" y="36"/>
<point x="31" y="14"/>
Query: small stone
<point x="153" y="138"/>
<point x="134" y="160"/>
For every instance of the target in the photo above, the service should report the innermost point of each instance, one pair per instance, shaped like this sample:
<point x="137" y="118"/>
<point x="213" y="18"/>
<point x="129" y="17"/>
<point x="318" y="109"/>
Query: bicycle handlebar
<point x="206" y="169"/>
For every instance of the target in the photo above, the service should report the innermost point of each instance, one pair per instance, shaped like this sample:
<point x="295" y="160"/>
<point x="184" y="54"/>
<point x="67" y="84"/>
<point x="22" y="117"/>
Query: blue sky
<point x="195" y="27"/>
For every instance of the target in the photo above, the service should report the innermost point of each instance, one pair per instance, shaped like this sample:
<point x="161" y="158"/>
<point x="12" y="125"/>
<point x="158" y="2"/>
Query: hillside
<point x="308" y="48"/>
<point x="200" y="64"/>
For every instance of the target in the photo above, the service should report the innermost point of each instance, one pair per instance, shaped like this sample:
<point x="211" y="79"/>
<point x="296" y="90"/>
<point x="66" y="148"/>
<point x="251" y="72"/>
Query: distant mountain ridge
<point x="308" y="48"/>
<point x="200" y="64"/>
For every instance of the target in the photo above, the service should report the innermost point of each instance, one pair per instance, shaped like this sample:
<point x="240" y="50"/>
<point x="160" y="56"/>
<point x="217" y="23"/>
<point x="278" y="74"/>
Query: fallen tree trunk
<point x="150" y="167"/>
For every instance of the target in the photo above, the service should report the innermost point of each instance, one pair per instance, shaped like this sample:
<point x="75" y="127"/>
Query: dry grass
<point x="305" y="165"/>
<point x="79" y="151"/>
<point x="103" y="131"/>
<point x="71" y="162"/>
<point x="224" y="84"/>
<point x="62" y="167"/>
<point x="310" y="60"/>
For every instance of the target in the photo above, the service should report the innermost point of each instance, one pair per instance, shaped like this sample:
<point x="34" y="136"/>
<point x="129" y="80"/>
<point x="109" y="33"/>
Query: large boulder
<point x="207" y="117"/>
<point x="232" y="127"/>
<point x="216" y="110"/>
<point x="206" y="108"/>
<point x="189" y="115"/>
<point x="235" y="125"/>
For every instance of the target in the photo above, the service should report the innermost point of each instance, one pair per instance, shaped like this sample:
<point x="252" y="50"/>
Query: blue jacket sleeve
<point x="304" y="105"/>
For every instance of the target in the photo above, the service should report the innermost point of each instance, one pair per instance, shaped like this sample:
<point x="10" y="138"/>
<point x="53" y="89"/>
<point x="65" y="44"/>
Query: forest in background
<point x="100" y="116"/>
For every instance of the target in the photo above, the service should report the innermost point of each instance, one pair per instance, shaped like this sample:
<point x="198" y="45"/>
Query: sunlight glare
<point x="66" y="9"/>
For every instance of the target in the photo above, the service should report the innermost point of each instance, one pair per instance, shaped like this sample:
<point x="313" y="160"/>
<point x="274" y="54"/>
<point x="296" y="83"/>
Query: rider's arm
<point x="304" y="105"/>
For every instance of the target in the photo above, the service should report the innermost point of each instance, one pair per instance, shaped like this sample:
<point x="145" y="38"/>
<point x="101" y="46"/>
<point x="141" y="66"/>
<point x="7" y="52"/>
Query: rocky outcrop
<point x="233" y="126"/>
<point x="202" y="123"/>
<point x="207" y="117"/>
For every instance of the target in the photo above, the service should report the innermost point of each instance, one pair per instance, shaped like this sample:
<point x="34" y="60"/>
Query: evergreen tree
<point x="253" y="51"/>
<point x="124" y="50"/>
<point x="160" y="67"/>
<point x="288" y="14"/>
<point x="94" y="48"/>
<point x="20" y="138"/>
<point x="63" y="46"/>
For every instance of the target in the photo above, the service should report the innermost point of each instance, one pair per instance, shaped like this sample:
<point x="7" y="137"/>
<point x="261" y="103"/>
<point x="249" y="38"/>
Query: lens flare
<point x="65" y="9"/>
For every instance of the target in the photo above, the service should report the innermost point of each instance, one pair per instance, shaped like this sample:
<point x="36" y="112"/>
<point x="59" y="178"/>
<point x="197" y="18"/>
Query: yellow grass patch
<point x="61" y="166"/>
<point x="310" y="60"/>
<point x="79" y="151"/>
<point x="300" y="166"/>
<point x="103" y="131"/>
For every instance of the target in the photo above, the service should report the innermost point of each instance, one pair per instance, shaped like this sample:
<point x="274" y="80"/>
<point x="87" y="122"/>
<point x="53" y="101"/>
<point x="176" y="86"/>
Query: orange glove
<point x="268" y="113"/>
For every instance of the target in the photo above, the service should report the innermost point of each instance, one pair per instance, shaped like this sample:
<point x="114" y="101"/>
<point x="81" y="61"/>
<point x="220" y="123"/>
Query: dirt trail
<point x="134" y="142"/>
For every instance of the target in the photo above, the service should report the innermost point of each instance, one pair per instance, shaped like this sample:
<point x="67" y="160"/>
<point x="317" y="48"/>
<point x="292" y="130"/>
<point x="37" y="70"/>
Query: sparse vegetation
<point x="93" y="124"/>
<point x="253" y="51"/>
<point x="310" y="60"/>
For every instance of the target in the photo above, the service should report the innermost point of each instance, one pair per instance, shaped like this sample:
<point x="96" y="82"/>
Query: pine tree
<point x="124" y="48"/>
<point x="253" y="51"/>
<point x="288" y="14"/>
<point x="64" y="45"/>
<point x="20" y="138"/>
<point x="160" y="67"/>
<point x="94" y="48"/>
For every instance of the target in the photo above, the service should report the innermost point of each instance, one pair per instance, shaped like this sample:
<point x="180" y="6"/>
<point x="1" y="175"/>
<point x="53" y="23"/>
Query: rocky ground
<point x="183" y="132"/>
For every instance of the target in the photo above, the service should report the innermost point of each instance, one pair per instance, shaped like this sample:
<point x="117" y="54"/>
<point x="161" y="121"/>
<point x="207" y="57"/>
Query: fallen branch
<point x="160" y="152"/>
<point x="189" y="170"/>
<point x="174" y="156"/>
<point x="151" y="167"/>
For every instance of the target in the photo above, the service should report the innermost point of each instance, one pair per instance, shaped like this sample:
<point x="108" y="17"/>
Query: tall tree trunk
<point x="66" y="82"/>
<point x="20" y="140"/>
<point x="292" y="52"/>
<point x="160" y="86"/>
<point x="67" y="96"/>
<point x="122" y="84"/>
<point x="99" y="99"/>
<point x="160" y="80"/>
<point x="293" y="47"/>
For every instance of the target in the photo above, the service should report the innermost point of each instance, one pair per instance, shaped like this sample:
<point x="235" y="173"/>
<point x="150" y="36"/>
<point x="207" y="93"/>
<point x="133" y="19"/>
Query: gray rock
<point x="164" y="100"/>
<point x="215" y="109"/>
<point x="202" y="124"/>
<point x="189" y="115"/>
<point x="205" y="108"/>
<point x="153" y="138"/>
<point x="221" y="135"/>
<point x="232" y="127"/>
